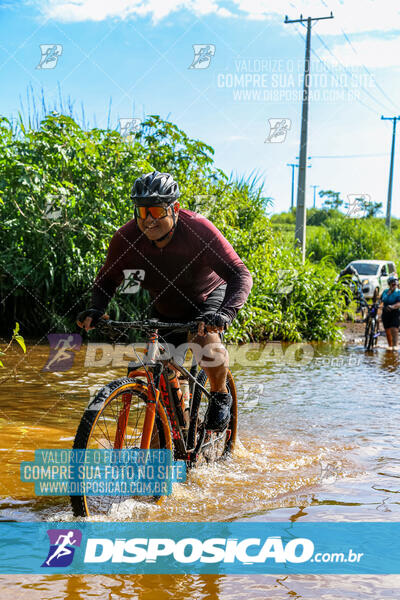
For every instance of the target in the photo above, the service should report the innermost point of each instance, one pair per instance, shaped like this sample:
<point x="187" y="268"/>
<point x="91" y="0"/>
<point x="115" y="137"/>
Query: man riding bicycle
<point x="191" y="272"/>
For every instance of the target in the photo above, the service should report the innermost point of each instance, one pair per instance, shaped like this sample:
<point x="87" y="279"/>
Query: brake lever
<point x="111" y="332"/>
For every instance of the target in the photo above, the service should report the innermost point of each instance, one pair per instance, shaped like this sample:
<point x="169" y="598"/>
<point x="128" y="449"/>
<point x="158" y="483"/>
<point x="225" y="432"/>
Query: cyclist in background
<point x="191" y="272"/>
<point x="354" y="285"/>
<point x="391" y="312"/>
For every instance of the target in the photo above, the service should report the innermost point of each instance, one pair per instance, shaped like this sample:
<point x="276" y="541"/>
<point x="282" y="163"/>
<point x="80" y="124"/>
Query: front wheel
<point x="211" y="446"/>
<point x="372" y="340"/>
<point x="367" y="333"/>
<point x="364" y="312"/>
<point x="114" y="420"/>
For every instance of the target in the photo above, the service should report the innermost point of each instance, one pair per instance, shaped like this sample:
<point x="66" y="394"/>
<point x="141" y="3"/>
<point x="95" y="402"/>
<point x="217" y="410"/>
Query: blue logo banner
<point x="207" y="548"/>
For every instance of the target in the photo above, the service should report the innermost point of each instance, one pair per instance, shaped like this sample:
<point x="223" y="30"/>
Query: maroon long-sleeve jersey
<point x="196" y="261"/>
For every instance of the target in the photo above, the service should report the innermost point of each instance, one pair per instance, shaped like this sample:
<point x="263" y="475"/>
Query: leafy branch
<point x="15" y="337"/>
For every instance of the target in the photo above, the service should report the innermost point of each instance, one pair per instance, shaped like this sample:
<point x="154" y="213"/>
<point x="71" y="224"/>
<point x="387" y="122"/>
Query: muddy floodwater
<point x="318" y="441"/>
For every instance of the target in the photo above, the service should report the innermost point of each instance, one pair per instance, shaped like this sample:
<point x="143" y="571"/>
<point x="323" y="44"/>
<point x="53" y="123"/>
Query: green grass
<point x="85" y="175"/>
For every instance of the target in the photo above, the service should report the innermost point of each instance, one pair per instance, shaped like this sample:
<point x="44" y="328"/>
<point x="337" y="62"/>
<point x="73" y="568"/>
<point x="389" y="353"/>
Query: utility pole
<point x="292" y="196"/>
<point x="315" y="187"/>
<point x="300" y="231"/>
<point x="293" y="168"/>
<point x="389" y="198"/>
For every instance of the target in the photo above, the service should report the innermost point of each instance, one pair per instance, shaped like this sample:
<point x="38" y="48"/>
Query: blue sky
<point x="138" y="53"/>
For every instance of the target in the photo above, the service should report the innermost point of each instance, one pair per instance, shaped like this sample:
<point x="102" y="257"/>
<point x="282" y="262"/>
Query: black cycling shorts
<point x="390" y="318"/>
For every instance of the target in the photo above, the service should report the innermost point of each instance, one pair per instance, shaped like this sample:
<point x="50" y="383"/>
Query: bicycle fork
<point x="122" y="422"/>
<point x="148" y="423"/>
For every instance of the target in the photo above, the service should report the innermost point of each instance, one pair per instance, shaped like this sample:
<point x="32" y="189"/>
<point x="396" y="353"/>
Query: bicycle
<point x="353" y="290"/>
<point x="145" y="410"/>
<point x="362" y="304"/>
<point x="371" y="333"/>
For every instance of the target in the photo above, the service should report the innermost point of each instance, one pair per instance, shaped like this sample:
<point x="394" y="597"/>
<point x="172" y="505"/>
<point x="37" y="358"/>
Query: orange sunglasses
<point x="157" y="212"/>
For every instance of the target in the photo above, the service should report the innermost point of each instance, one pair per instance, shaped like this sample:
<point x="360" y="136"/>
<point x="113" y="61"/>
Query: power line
<point x="334" y="76"/>
<point x="350" y="155"/>
<point x="380" y="88"/>
<point x="379" y="102"/>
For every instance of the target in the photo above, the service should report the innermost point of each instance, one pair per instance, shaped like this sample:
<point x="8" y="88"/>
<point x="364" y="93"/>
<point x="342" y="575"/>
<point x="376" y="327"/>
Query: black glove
<point x="90" y="312"/>
<point x="214" y="319"/>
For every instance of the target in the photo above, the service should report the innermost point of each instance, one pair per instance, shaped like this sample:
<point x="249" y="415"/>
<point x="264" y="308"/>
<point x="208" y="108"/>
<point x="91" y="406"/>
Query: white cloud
<point x="374" y="52"/>
<point x="376" y="20"/>
<point x="355" y="16"/>
<point x="68" y="11"/>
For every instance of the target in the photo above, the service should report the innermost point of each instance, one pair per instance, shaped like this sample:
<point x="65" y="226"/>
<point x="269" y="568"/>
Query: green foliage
<point x="317" y="217"/>
<point x="284" y="218"/>
<point x="65" y="190"/>
<point x="289" y="301"/>
<point x="368" y="208"/>
<point x="341" y="238"/>
<point x="18" y="338"/>
<point x="344" y="239"/>
<point x="332" y="199"/>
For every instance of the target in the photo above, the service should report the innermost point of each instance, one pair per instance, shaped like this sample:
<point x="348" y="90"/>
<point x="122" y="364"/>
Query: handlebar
<point x="147" y="325"/>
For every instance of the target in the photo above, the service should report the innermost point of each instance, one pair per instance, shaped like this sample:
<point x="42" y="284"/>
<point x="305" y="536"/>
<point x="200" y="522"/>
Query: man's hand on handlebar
<point x="212" y="322"/>
<point x="88" y="319"/>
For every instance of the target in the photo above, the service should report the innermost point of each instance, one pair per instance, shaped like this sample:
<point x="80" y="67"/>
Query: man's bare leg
<point x="213" y="358"/>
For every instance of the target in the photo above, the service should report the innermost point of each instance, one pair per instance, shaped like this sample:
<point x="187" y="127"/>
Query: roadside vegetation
<point x="333" y="235"/>
<point x="64" y="190"/>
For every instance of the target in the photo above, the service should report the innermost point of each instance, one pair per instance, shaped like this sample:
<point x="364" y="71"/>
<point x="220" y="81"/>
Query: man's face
<point x="154" y="228"/>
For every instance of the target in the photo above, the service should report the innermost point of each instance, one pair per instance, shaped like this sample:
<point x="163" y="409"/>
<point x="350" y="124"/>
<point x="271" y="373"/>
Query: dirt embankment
<point x="352" y="331"/>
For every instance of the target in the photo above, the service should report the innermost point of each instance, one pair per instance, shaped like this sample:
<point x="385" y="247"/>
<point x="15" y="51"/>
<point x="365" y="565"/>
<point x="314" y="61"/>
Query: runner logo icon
<point x="50" y="55"/>
<point x="62" y="547"/>
<point x="62" y="348"/>
<point x="278" y="129"/>
<point x="203" y="54"/>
